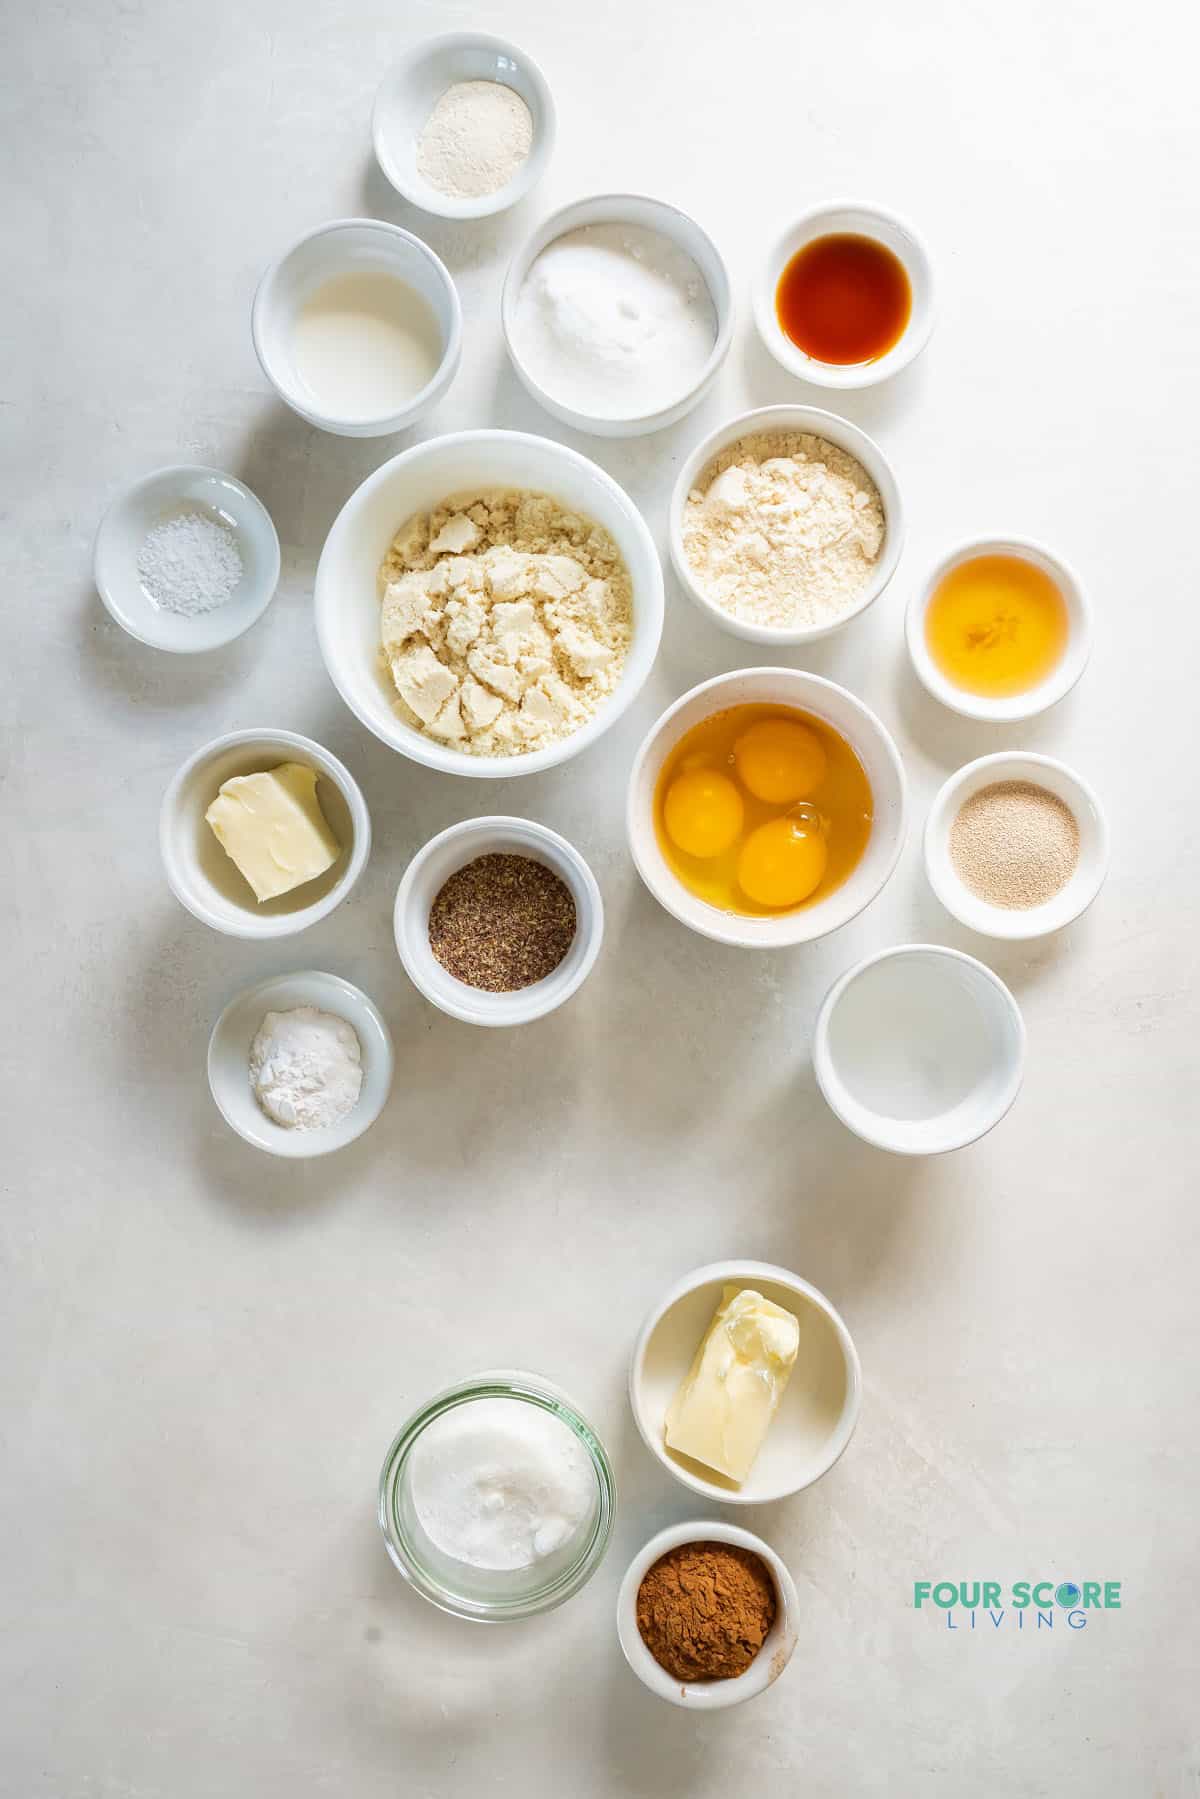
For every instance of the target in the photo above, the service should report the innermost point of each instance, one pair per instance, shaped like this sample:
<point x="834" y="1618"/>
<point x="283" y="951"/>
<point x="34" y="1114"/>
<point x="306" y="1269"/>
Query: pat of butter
<point x="272" y="827"/>
<point x="723" y="1410"/>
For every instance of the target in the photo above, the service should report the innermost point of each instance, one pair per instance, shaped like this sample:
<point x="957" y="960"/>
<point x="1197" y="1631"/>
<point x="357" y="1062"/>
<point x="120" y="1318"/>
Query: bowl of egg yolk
<point x="766" y="808"/>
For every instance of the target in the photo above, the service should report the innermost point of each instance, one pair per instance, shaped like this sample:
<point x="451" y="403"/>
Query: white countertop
<point x="205" y="1353"/>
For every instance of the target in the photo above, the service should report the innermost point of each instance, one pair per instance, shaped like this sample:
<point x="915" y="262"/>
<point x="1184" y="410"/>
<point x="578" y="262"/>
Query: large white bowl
<point x="347" y="589"/>
<point x="837" y="431"/>
<point x="866" y="737"/>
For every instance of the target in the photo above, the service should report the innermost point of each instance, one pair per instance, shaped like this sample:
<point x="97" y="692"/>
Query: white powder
<point x="475" y="139"/>
<point x="306" y="1068"/>
<point x="783" y="529"/>
<point x="614" y="320"/>
<point x="190" y="563"/>
<point x="501" y="1484"/>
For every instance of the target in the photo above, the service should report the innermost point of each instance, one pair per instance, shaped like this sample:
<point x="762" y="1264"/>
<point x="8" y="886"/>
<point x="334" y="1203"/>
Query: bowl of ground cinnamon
<point x="706" y="1615"/>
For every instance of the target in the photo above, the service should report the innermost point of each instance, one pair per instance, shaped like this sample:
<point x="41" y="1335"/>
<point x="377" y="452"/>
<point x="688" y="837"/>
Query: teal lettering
<point x="1020" y="1594"/>
<point x="1112" y="1595"/>
<point x="1091" y="1592"/>
<point x="945" y="1594"/>
<point x="991" y="1592"/>
<point x="1046" y="1587"/>
<point x="920" y="1593"/>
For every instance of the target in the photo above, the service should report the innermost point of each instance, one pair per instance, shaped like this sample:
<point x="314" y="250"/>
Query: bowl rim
<point x="482" y="1009"/>
<point x="979" y="915"/>
<point x="303" y="1146"/>
<point x="844" y="377"/>
<point x="710" y="1274"/>
<point x="288" y="924"/>
<point x="540" y="151"/>
<point x="830" y="1086"/>
<point x="768" y="1664"/>
<point x="648" y="615"/>
<point x="181" y="471"/>
<point x="785" y="417"/>
<point x="556" y="225"/>
<point x="382" y="424"/>
<point x="1011" y="708"/>
<point x="730" y="927"/>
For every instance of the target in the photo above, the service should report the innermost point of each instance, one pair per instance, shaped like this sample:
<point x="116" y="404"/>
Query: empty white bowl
<point x="858" y="219"/>
<point x="1004" y="921"/>
<point x="1009" y="708"/>
<point x="229" y="1061"/>
<point x="347" y="598"/>
<point x="428" y="873"/>
<point x="344" y="247"/>
<point x="768" y="1664"/>
<point x="168" y="493"/>
<point x="869" y="741"/>
<point x="651" y="215"/>
<point x="412" y="88"/>
<point x="919" y="1049"/>
<point x="820" y="1404"/>
<point x="835" y="430"/>
<point x="207" y="881"/>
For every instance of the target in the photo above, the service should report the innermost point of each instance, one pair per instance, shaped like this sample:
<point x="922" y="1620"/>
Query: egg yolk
<point x="782" y="862"/>
<point x="779" y="761"/>
<point x="703" y="812"/>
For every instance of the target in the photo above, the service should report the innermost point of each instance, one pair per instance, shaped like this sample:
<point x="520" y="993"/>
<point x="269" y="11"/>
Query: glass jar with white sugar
<point x="497" y="1498"/>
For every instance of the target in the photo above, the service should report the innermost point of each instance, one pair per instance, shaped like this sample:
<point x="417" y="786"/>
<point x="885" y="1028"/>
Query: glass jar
<point x="484" y="1595"/>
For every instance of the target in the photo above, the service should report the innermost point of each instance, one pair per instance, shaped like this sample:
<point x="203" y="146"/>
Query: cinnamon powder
<point x="704" y="1610"/>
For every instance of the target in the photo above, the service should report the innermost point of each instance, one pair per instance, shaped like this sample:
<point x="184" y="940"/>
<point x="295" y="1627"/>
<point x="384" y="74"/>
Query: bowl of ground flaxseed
<point x="498" y="921"/>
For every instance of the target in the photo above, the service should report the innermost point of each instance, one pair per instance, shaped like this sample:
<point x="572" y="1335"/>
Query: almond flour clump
<point x="506" y="621"/>
<point x="783" y="529"/>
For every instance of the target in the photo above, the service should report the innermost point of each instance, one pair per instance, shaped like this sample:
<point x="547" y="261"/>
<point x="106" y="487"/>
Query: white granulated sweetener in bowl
<point x="190" y="563"/>
<point x="306" y="1068"/>
<point x="783" y="529"/>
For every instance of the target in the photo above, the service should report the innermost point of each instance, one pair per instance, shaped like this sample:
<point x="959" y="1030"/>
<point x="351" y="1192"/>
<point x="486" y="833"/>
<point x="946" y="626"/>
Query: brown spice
<point x="1014" y="844"/>
<point x="704" y="1610"/>
<point x="502" y="922"/>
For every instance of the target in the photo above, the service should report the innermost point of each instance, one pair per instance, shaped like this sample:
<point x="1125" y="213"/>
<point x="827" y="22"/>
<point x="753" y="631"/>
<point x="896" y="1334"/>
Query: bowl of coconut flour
<point x="617" y="314"/>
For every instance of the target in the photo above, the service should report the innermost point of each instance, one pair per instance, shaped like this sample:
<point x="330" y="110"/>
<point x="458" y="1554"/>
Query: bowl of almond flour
<point x="785" y="524"/>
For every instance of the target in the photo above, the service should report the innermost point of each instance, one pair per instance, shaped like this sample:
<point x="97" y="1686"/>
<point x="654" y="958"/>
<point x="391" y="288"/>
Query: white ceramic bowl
<point x="428" y="873"/>
<point x="344" y="247"/>
<point x="204" y="878"/>
<point x="229" y="1061"/>
<point x="820" y="1405"/>
<point x="1061" y="678"/>
<point x="919" y="1049"/>
<point x="410" y="91"/>
<point x="861" y="730"/>
<point x="347" y="585"/>
<point x="651" y="215"/>
<point x="862" y="220"/>
<point x="835" y="430"/>
<point x="165" y="494"/>
<point x="1002" y="921"/>
<point x="768" y="1664"/>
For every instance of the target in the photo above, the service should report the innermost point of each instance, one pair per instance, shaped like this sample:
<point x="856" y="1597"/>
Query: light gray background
<point x="206" y="1353"/>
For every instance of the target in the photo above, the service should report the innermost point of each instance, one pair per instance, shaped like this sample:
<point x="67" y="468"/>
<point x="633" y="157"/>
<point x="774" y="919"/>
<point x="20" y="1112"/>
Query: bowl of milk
<point x="358" y="328"/>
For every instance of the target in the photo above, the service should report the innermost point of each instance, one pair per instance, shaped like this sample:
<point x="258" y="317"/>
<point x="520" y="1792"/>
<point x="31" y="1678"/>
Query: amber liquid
<point x="996" y="625"/>
<point x="844" y="299"/>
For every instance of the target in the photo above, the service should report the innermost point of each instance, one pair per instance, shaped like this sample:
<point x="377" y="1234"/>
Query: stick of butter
<point x="273" y="828"/>
<point x="725" y="1405"/>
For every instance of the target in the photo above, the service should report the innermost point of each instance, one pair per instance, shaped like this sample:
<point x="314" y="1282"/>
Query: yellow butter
<point x="725" y="1404"/>
<point x="272" y="827"/>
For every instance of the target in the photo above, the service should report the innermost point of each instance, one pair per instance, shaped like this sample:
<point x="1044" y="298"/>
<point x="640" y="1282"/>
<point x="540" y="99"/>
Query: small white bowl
<point x="820" y="1405"/>
<point x="412" y="88"/>
<point x="919" y="1049"/>
<point x="1002" y="921"/>
<point x="768" y="1664"/>
<point x="349" y="246"/>
<point x="346" y="599"/>
<point x="205" y="879"/>
<point x="896" y="235"/>
<point x="428" y="873"/>
<point x="835" y="430"/>
<point x="229" y="1061"/>
<point x="650" y="215"/>
<point x="166" y="494"/>
<point x="870" y="743"/>
<point x="1058" y="682"/>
